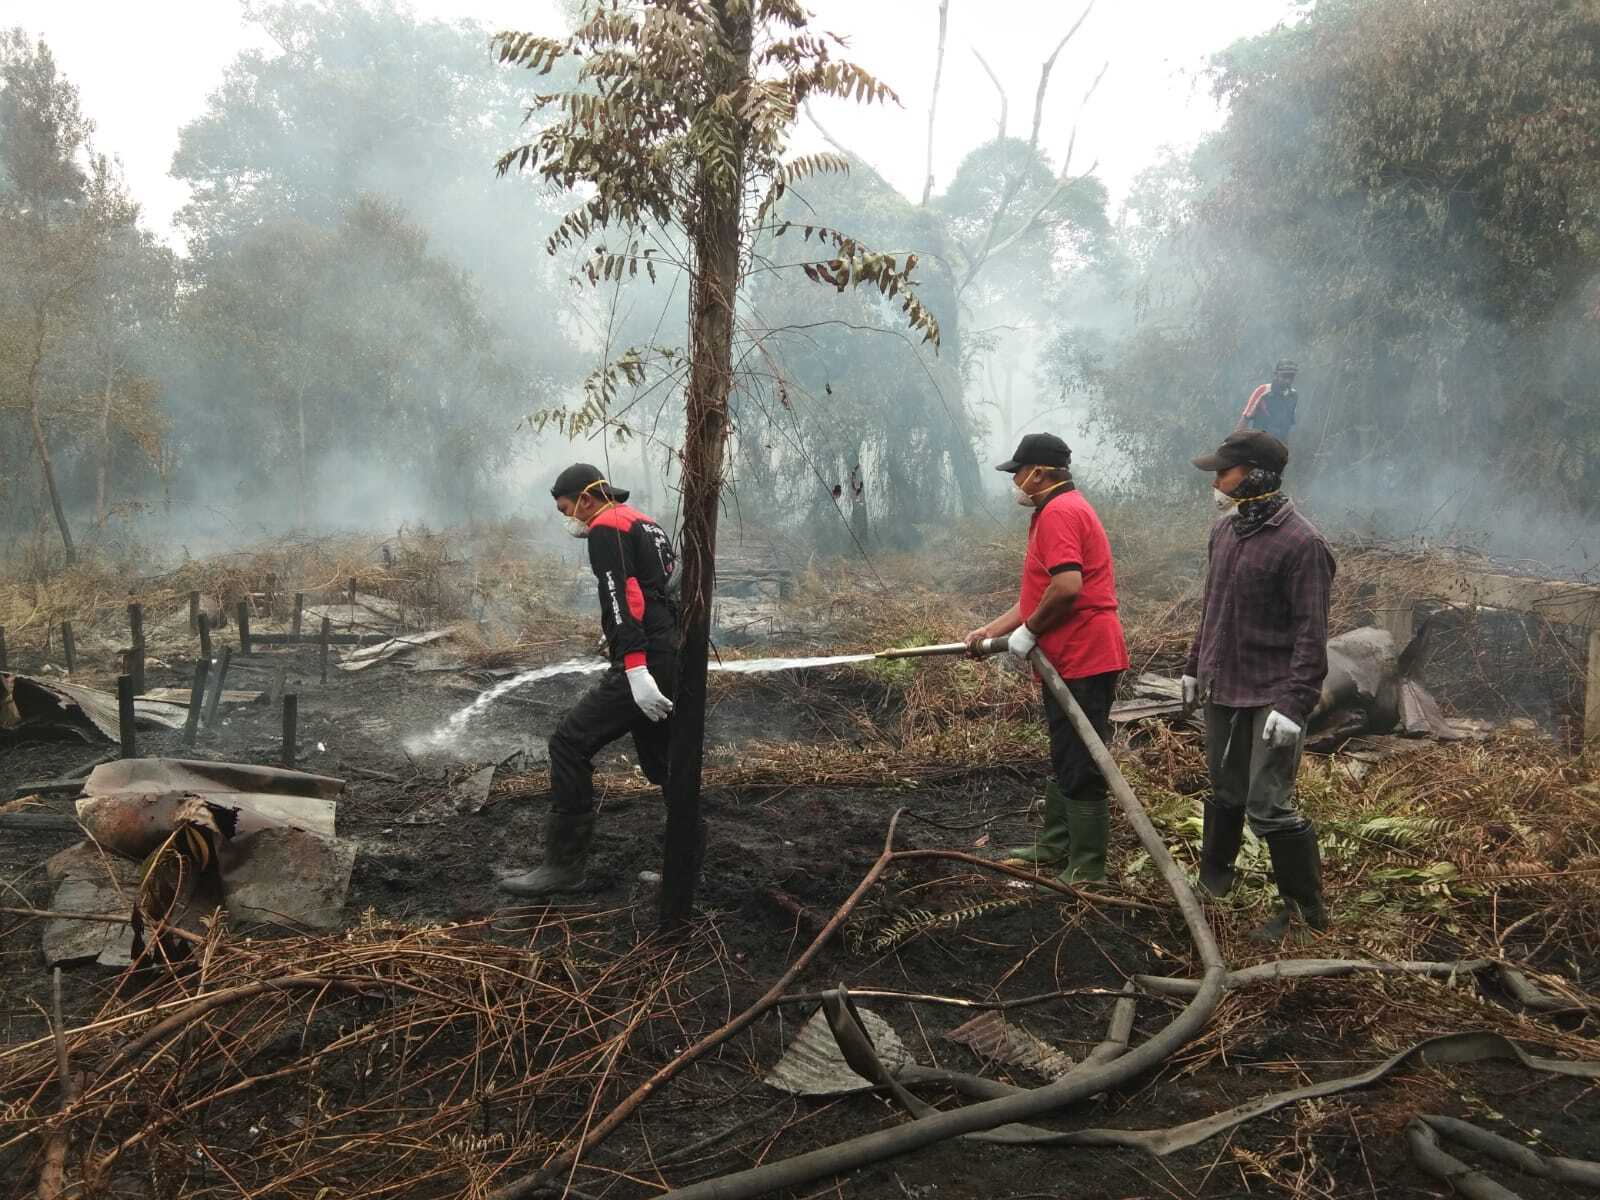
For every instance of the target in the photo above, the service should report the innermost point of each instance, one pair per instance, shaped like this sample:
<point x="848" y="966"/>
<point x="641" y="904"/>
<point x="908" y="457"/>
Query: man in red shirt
<point x="1068" y="608"/>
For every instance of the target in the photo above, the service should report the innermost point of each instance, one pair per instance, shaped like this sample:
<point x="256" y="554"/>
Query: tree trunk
<point x="714" y="236"/>
<point x="39" y="444"/>
<point x="103" y="467"/>
<point x="300" y="492"/>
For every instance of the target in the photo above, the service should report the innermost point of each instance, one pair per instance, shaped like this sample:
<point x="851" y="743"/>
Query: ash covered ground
<point x="805" y="771"/>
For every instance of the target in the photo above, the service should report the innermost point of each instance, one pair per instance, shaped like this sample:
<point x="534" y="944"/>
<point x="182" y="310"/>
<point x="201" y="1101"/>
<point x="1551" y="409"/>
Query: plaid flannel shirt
<point x="1263" y="637"/>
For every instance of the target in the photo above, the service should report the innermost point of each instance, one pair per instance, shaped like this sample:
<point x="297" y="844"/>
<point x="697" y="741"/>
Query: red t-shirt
<point x="1066" y="535"/>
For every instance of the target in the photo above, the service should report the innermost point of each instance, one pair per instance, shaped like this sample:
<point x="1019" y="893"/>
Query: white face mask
<point x="1018" y="493"/>
<point x="576" y="528"/>
<point x="1226" y="504"/>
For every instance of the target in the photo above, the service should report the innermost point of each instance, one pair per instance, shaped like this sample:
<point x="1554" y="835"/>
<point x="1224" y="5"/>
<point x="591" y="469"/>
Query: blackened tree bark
<point x="714" y="238"/>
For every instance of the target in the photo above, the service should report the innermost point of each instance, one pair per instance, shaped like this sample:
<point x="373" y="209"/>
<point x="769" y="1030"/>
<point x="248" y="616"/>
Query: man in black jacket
<point x="633" y="563"/>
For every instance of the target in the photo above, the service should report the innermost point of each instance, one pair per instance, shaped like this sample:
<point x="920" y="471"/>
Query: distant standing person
<point x="1068" y="607"/>
<point x="633" y="562"/>
<point x="1257" y="662"/>
<point x="1271" y="407"/>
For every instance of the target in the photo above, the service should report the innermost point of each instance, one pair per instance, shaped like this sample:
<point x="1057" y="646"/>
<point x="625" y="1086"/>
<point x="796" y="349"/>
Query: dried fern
<point x="917" y="921"/>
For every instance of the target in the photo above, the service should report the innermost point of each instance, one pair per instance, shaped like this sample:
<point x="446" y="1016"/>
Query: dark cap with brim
<point x="1247" y="448"/>
<point x="1038" y="450"/>
<point x="581" y="477"/>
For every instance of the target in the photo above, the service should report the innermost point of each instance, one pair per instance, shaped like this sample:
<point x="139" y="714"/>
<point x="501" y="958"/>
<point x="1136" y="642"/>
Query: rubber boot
<point x="1089" y="822"/>
<point x="1297" y="864"/>
<point x="567" y="839"/>
<point x="1050" y="848"/>
<point x="1219" y="846"/>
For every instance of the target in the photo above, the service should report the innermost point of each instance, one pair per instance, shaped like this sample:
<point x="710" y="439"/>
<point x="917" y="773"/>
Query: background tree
<point x="69" y="249"/>
<point x="1403" y="197"/>
<point x="361" y="344"/>
<point x="679" y="125"/>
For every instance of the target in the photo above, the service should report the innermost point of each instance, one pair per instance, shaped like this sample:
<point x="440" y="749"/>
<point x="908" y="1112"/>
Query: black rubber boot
<point x="1089" y="822"/>
<point x="567" y="839"/>
<point x="1049" y="849"/>
<point x="1297" y="864"/>
<point x="1219" y="846"/>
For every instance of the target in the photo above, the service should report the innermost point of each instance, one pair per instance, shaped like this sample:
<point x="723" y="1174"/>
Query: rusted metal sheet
<point x="29" y="703"/>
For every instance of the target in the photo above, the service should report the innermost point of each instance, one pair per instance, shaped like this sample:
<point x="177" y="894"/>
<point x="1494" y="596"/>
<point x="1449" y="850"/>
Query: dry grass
<point x="388" y="1060"/>
<point x="510" y="600"/>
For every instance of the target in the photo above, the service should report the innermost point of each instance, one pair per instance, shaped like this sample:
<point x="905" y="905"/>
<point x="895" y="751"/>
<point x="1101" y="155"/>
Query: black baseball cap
<point x="580" y="476"/>
<point x="1247" y="448"/>
<point x="1038" y="450"/>
<point x="1287" y="366"/>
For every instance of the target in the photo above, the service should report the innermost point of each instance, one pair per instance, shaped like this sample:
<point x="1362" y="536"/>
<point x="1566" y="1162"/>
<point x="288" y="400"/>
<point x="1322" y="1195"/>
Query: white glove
<point x="1279" y="731"/>
<point x="1191" y="692"/>
<point x="647" y="695"/>
<point x="1022" y="641"/>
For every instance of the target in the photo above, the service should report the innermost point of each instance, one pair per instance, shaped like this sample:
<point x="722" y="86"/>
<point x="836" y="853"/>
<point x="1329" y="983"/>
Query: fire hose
<point x="1086" y="1080"/>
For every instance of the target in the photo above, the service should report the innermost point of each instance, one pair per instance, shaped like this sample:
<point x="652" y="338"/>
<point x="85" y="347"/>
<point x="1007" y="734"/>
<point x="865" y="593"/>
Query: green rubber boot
<point x="1050" y="848"/>
<point x="1089" y="822"/>
<point x="567" y="840"/>
<point x="1297" y="863"/>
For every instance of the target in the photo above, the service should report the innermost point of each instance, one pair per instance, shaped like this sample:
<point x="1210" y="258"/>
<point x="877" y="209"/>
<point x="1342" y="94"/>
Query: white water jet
<point x="450" y="732"/>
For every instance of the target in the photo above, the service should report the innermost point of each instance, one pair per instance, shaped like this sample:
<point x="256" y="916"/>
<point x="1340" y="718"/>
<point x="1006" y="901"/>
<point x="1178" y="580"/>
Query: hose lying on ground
<point x="1079" y="1084"/>
<point x="1425" y="1130"/>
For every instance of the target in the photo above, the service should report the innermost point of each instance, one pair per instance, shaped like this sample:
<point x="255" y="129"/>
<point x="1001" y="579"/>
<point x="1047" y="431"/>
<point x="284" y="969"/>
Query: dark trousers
<point x="602" y="715"/>
<point x="1075" y="772"/>
<point x="1249" y="774"/>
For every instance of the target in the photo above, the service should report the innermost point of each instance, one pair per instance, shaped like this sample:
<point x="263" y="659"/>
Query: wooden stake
<point x="69" y="647"/>
<point x="130" y="747"/>
<point x="214" y="701"/>
<point x="327" y="633"/>
<point x="205" y="638"/>
<point x="197" y="695"/>
<point x="272" y="595"/>
<point x="299" y="613"/>
<point x="352" y="597"/>
<point x="291" y="713"/>
<point x="244" y="627"/>
<point x="194" y="611"/>
<point x="136" y="659"/>
<point x="2" y="647"/>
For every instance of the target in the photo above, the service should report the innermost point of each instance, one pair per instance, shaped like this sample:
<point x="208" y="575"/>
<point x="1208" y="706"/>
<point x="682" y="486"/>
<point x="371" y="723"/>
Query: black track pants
<point x="1075" y="772"/>
<point x="602" y="715"/>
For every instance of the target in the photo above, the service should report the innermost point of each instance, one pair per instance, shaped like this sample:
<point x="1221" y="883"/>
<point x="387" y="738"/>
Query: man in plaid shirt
<point x="1258" y="661"/>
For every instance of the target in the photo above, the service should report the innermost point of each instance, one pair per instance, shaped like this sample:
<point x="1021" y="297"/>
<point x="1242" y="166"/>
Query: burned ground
<point x="1482" y="850"/>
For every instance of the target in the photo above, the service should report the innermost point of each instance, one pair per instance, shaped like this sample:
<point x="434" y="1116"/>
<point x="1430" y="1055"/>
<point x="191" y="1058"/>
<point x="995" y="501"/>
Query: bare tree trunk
<point x="39" y="444"/>
<point x="103" y="468"/>
<point x="933" y="100"/>
<point x="714" y="239"/>
<point x="300" y="492"/>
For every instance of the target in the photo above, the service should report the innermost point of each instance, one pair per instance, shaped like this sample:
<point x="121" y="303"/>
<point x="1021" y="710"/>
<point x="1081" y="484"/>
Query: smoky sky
<point x="145" y="70"/>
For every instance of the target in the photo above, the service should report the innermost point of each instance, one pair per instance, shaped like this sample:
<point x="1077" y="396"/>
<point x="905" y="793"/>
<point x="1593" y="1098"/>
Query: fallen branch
<point x="1044" y="881"/>
<point x="1449" y="1048"/>
<point x="52" y="1175"/>
<point x="1312" y="968"/>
